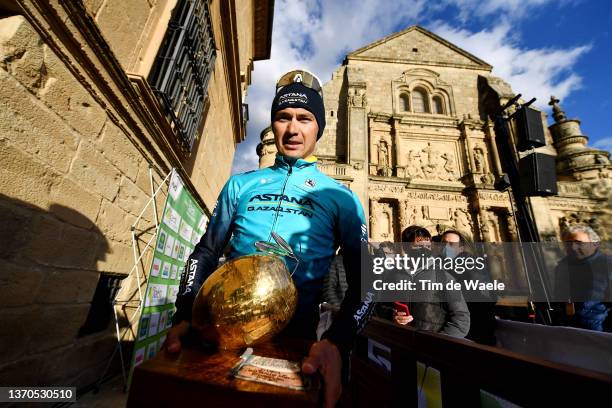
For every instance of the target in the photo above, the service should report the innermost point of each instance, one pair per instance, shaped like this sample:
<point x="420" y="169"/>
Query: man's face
<point x="295" y="132"/>
<point x="453" y="239"/>
<point x="578" y="245"/>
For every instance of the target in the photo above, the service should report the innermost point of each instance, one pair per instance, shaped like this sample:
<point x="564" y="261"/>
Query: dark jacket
<point x="438" y="311"/>
<point x="481" y="304"/>
<point x="587" y="283"/>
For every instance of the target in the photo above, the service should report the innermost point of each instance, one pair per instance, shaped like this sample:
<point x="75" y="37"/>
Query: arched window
<point x="404" y="103"/>
<point x="419" y="101"/>
<point x="438" y="105"/>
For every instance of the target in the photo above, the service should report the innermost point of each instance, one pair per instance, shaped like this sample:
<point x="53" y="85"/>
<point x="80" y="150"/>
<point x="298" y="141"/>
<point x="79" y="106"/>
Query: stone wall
<point x="78" y="145"/>
<point x="71" y="186"/>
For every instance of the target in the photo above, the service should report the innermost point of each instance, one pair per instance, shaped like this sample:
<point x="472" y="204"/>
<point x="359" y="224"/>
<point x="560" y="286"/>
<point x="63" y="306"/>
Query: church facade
<point x="409" y="130"/>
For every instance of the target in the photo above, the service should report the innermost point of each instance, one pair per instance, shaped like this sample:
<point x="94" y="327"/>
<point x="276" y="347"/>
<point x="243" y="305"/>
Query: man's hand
<point x="401" y="318"/>
<point x="174" y="336"/>
<point x="325" y="357"/>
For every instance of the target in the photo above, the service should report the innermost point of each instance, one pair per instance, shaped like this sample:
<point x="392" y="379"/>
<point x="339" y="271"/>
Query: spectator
<point x="481" y="304"/>
<point x="583" y="279"/>
<point x="449" y="317"/>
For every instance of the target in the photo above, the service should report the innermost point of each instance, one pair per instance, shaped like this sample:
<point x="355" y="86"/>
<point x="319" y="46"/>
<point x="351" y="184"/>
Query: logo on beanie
<point x="297" y="78"/>
<point x="291" y="98"/>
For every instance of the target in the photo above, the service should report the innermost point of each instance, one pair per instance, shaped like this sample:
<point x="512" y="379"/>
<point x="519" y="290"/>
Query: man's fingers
<point x="311" y="364"/>
<point x="325" y="357"/>
<point x="173" y="338"/>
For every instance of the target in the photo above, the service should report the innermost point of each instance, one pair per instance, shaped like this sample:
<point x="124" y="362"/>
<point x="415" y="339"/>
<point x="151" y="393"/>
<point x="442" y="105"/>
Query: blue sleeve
<point x="354" y="313"/>
<point x="205" y="257"/>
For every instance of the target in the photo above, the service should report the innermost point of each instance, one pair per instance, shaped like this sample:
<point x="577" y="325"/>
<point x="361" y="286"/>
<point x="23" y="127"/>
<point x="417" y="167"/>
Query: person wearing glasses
<point x="429" y="310"/>
<point x="311" y="211"/>
<point x="584" y="280"/>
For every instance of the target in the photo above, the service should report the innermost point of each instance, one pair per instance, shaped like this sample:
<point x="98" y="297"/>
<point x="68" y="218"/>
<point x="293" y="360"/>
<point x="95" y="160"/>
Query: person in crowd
<point x="430" y="310"/>
<point x="583" y="279"/>
<point x="481" y="304"/>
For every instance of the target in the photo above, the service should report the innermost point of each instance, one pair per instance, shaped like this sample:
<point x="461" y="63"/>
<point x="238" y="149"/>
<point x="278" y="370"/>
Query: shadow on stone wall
<point x="48" y="276"/>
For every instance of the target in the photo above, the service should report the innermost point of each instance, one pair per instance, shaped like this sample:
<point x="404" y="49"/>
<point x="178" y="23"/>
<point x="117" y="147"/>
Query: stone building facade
<point x="82" y="131"/>
<point x="409" y="130"/>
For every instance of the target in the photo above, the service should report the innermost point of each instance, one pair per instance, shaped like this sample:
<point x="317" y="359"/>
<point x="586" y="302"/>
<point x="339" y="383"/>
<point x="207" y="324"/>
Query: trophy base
<point x="199" y="377"/>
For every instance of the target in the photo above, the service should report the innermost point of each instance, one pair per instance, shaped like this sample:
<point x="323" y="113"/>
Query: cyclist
<point x="311" y="211"/>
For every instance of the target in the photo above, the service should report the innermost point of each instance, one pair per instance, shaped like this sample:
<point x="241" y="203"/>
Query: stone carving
<point x="383" y="160"/>
<point x="411" y="214"/>
<point x="387" y="188"/>
<point x="589" y="219"/>
<point x="462" y="220"/>
<point x="269" y="149"/>
<point x="478" y="160"/>
<point x="429" y="164"/>
<point x="602" y="188"/>
<point x="558" y="113"/>
<point x="493" y="196"/>
<point x="449" y="167"/>
<point x="413" y="167"/>
<point x="484" y="226"/>
<point x="487" y="178"/>
<point x="512" y="230"/>
<point x="386" y="229"/>
<point x="601" y="159"/>
<point x="358" y="98"/>
<point x="374" y="211"/>
<point x="423" y="217"/>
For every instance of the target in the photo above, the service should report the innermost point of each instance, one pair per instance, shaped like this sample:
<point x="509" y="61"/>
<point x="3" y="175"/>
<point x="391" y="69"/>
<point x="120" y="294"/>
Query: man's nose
<point x="293" y="126"/>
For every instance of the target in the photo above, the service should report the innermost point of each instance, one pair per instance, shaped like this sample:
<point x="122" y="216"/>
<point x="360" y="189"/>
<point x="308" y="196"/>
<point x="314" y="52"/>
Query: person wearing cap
<point x="311" y="211"/>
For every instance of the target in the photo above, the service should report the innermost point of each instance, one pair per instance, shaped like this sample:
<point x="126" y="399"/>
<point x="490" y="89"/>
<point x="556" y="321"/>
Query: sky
<point x="540" y="47"/>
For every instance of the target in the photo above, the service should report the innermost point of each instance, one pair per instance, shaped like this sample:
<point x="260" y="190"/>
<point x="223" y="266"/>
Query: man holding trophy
<point x="309" y="212"/>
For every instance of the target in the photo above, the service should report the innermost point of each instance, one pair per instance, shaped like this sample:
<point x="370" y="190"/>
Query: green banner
<point x="182" y="224"/>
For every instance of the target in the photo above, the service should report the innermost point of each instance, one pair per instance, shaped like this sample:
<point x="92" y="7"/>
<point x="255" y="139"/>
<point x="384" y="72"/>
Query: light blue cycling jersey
<point x="311" y="211"/>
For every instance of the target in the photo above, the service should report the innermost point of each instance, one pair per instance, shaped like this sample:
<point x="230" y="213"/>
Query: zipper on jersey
<point x="280" y="201"/>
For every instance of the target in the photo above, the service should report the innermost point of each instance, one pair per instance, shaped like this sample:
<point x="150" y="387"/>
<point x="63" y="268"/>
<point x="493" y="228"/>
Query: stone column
<point x="358" y="131"/>
<point x="491" y="135"/>
<point x="399" y="168"/>
<point x="401" y="207"/>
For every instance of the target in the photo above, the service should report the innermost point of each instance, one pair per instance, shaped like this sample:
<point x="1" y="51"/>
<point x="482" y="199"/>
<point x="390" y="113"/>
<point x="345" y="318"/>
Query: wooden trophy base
<point x="197" y="377"/>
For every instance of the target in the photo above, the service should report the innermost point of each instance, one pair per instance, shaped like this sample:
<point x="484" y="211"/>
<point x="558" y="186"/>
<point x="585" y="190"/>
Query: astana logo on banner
<point x="182" y="224"/>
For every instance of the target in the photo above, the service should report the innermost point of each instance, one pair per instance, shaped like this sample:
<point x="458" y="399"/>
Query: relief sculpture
<point x="384" y="169"/>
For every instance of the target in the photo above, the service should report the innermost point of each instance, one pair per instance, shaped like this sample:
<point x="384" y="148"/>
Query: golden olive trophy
<point x="245" y="301"/>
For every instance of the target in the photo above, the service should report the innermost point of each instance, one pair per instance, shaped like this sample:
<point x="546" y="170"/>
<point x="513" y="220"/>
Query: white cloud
<point x="604" y="144"/>
<point x="244" y="161"/>
<point x="508" y="9"/>
<point x="538" y="73"/>
<point x="317" y="34"/>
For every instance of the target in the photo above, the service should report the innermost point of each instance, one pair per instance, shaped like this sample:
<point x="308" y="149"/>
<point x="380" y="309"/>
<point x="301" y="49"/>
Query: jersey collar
<point x="284" y="162"/>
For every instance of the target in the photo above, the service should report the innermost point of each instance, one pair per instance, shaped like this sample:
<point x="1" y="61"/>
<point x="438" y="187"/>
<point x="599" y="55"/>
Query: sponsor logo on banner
<point x="161" y="241"/>
<point x="169" y="246"/>
<point x="156" y="295"/>
<point x="172" y="218"/>
<point x="176" y="186"/>
<point x="172" y="293"/>
<point x="155" y="269"/>
<point x="143" y="330"/>
<point x="163" y="320"/>
<point x="165" y="273"/>
<point x="153" y="324"/>
<point x="151" y="350"/>
<point x="185" y="231"/>
<point x="139" y="356"/>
